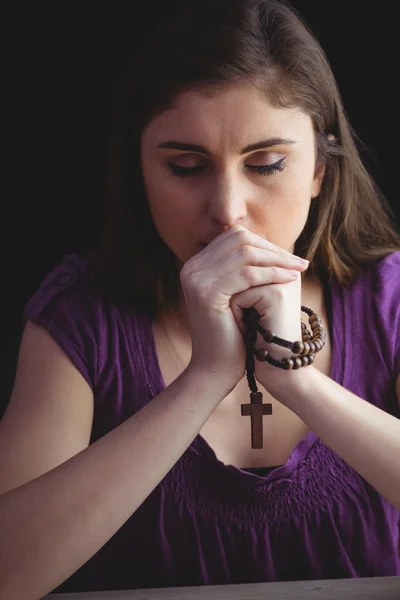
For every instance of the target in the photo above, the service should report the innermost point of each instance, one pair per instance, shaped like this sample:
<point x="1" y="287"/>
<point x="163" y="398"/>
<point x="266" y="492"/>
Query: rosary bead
<point x="315" y="319"/>
<point x="297" y="364"/>
<point x="261" y="355"/>
<point x="319" y="334"/>
<point x="268" y="335"/>
<point x="287" y="363"/>
<point x="312" y="342"/>
<point x="298" y="347"/>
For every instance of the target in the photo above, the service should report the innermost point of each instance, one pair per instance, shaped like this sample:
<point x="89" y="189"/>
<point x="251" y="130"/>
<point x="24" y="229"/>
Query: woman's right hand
<point x="232" y="263"/>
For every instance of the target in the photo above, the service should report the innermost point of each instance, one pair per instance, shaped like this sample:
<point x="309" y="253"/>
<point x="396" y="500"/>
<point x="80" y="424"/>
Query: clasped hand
<point x="237" y="270"/>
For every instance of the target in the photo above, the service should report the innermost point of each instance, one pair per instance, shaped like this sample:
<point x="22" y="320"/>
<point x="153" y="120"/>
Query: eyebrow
<point x="175" y="145"/>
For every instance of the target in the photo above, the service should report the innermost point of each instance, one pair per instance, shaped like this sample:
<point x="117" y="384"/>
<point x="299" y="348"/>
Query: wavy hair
<point x="206" y="46"/>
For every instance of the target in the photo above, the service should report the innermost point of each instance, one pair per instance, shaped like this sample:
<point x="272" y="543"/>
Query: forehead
<point x="238" y="114"/>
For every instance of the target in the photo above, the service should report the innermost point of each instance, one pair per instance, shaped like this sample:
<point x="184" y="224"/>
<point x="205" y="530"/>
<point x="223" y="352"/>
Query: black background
<point x="63" y="63"/>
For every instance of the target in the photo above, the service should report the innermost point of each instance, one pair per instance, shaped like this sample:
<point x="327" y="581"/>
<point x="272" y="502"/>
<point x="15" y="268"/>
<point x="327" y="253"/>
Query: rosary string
<point x="304" y="354"/>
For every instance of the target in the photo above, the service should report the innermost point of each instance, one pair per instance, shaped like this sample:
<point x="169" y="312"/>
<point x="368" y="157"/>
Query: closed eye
<point x="261" y="170"/>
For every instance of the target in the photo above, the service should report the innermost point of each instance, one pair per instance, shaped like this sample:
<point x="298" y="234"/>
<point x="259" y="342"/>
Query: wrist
<point x="218" y="385"/>
<point x="285" y="332"/>
<point x="287" y="386"/>
<point x="285" y="354"/>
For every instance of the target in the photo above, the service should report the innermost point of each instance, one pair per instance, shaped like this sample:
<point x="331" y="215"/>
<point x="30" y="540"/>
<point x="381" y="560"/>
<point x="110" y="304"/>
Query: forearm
<point x="55" y="523"/>
<point x="366" y="437"/>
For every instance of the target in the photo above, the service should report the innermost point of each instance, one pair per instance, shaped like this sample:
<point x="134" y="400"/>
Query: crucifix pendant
<point x="256" y="410"/>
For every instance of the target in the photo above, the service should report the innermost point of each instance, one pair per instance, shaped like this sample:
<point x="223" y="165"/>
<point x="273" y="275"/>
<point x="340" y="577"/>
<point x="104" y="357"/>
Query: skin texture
<point x="196" y="208"/>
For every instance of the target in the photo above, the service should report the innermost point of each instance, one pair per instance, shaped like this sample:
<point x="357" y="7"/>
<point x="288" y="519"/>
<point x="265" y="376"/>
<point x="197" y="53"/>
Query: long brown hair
<point x="205" y="46"/>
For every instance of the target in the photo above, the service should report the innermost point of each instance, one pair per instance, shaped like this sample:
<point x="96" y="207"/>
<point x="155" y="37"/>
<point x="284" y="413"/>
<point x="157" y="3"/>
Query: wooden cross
<point x="256" y="410"/>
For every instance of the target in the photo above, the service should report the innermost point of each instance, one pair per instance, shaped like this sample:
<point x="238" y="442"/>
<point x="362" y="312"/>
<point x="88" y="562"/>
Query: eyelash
<point x="261" y="170"/>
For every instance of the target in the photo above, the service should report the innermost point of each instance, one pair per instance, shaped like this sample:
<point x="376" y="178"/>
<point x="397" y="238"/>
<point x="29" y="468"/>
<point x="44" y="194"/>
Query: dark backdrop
<point x="63" y="64"/>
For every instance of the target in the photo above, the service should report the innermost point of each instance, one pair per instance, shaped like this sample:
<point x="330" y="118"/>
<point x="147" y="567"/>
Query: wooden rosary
<point x="304" y="355"/>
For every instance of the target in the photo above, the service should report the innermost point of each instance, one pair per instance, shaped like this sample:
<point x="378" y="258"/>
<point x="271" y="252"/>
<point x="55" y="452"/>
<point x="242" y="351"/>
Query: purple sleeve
<point x="64" y="305"/>
<point x="387" y="306"/>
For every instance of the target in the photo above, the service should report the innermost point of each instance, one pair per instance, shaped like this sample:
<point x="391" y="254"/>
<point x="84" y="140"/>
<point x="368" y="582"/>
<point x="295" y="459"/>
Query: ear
<point x="317" y="180"/>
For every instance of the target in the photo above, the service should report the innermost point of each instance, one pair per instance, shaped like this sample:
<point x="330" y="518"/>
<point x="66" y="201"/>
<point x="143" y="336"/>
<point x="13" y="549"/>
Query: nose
<point x="227" y="202"/>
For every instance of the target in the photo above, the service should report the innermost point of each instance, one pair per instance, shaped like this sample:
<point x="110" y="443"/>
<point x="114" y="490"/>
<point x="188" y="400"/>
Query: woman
<point x="231" y="166"/>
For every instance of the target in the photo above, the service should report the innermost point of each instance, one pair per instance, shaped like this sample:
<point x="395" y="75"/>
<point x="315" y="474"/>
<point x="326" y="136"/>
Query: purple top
<point x="209" y="523"/>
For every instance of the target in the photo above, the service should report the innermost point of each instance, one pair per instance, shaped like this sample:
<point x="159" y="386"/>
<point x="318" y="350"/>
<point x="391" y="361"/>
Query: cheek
<point x="283" y="214"/>
<point x="173" y="212"/>
<point x="295" y="193"/>
<point x="290" y="196"/>
<point x="297" y="185"/>
<point x="169" y="202"/>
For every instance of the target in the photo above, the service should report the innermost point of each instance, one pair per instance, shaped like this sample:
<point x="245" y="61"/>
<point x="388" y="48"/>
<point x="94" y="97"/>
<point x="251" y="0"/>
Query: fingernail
<point x="294" y="274"/>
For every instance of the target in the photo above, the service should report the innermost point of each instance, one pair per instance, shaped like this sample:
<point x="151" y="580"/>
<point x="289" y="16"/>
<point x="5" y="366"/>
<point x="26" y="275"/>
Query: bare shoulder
<point x="49" y="416"/>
